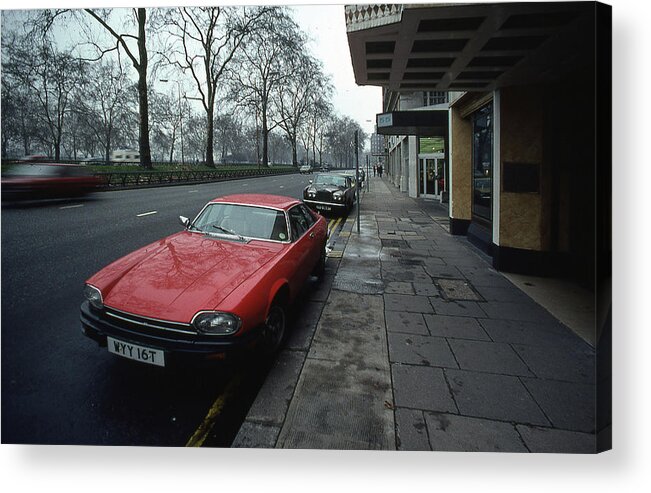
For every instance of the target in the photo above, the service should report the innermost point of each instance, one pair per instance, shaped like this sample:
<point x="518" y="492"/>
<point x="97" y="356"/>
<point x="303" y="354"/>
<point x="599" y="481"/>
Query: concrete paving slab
<point x="500" y="397"/>
<point x="411" y="430"/>
<point x="407" y="303"/>
<point x="456" y="308"/>
<point x="352" y="325"/>
<point x="559" y="362"/>
<point x="531" y="333"/>
<point x="570" y="406"/>
<point x="410" y="323"/>
<point x="425" y="289"/>
<point x="420" y="350"/>
<point x="551" y="441"/>
<point x="421" y="387"/>
<point x="492" y="357"/>
<point x="455" y="327"/>
<point x="438" y="269"/>
<point x="525" y="312"/>
<point x="449" y="432"/>
<point x="508" y="294"/>
<point x="392" y="271"/>
<point x="398" y="287"/>
<point x="340" y="406"/>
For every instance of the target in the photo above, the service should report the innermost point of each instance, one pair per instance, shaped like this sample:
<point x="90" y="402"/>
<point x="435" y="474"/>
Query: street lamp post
<point x="178" y="85"/>
<point x="357" y="174"/>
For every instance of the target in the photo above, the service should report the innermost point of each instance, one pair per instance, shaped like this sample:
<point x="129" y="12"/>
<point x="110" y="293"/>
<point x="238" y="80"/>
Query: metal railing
<point x="140" y="179"/>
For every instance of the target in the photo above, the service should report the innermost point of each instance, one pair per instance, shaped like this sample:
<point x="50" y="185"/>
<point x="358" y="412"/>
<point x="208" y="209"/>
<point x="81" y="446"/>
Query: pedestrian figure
<point x="374" y="169"/>
<point x="379" y="170"/>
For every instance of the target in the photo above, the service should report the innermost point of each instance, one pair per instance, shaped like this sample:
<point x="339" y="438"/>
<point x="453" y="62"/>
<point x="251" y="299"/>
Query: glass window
<point x="298" y="222"/>
<point x="248" y="221"/>
<point x="482" y="162"/>
<point x="309" y="217"/>
<point x="434" y="97"/>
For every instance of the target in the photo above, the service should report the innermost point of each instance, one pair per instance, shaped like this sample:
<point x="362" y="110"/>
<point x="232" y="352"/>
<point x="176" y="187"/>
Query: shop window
<point x="482" y="162"/>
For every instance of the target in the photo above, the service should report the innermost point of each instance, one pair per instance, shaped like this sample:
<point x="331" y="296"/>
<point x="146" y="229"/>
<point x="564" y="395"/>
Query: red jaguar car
<point x="223" y="284"/>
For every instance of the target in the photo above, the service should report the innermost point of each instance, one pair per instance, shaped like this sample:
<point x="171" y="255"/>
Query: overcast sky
<point x="324" y="24"/>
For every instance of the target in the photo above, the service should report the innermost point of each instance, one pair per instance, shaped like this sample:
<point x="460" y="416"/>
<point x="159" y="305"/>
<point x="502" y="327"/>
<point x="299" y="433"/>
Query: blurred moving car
<point x="34" y="158"/>
<point x="330" y="192"/>
<point x="224" y="284"/>
<point x="306" y="168"/>
<point x="35" y="181"/>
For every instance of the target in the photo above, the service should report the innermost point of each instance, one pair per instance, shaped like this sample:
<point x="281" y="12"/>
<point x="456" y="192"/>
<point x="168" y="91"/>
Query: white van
<point x="125" y="156"/>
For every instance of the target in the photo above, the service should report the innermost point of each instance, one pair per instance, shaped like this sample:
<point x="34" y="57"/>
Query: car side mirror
<point x="310" y="181"/>
<point x="184" y="221"/>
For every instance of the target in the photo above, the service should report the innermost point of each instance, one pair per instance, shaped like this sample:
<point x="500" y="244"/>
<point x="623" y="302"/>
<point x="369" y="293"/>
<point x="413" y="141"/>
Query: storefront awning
<point x="421" y="123"/>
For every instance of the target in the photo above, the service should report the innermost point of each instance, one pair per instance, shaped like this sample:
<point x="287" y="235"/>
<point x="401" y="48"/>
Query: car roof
<point x="264" y="200"/>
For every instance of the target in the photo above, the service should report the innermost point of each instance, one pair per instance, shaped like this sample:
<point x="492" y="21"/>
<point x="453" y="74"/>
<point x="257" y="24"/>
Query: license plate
<point x="135" y="352"/>
<point x="324" y="207"/>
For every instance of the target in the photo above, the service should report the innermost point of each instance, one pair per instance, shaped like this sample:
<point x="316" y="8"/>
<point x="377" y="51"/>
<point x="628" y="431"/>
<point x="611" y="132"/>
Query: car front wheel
<point x="274" y="329"/>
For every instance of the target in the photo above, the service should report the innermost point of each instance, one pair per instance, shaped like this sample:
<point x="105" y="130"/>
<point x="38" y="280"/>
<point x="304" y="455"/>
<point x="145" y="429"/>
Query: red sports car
<point x="224" y="283"/>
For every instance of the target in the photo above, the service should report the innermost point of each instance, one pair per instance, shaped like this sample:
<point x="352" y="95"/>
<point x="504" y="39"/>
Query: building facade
<point x="501" y="112"/>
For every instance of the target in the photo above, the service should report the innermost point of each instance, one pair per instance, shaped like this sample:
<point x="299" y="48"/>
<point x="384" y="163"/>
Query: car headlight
<point x="338" y="195"/>
<point x="311" y="194"/>
<point x="94" y="296"/>
<point x="216" y="323"/>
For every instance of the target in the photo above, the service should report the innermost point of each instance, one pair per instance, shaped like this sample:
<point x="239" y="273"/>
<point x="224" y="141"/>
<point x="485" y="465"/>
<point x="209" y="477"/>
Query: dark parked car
<point x="35" y="181"/>
<point x="330" y="192"/>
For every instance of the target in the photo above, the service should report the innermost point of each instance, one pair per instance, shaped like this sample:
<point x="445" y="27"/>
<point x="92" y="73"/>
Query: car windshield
<point x="336" y="180"/>
<point x="242" y="221"/>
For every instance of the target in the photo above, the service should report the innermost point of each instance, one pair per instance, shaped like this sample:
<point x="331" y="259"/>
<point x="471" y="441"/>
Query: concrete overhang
<point x="469" y="47"/>
<point x="421" y="123"/>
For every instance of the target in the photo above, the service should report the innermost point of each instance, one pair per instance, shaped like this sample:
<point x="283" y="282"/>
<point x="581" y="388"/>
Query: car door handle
<point x="312" y="234"/>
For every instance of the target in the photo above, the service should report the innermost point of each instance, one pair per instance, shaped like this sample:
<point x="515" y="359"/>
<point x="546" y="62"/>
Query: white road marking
<point x="193" y="191"/>
<point x="147" y="213"/>
<point x="282" y="186"/>
<point x="71" y="206"/>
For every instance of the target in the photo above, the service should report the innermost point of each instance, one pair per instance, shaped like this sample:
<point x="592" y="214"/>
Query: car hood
<point x="180" y="275"/>
<point x="325" y="188"/>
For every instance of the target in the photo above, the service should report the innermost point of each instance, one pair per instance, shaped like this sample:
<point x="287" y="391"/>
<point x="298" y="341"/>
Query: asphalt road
<point x="59" y="387"/>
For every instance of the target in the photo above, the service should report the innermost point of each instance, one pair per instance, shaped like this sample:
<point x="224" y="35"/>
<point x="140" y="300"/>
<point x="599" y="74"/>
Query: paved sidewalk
<point x="414" y="342"/>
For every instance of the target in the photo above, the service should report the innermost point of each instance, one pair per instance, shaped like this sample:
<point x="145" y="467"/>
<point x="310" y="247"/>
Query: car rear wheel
<point x="274" y="329"/>
<point x="319" y="268"/>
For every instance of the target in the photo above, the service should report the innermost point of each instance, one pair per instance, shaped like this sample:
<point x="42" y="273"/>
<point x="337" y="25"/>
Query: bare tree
<point x="20" y="126"/>
<point x="139" y="57"/>
<point x="107" y="95"/>
<point x="295" y="98"/>
<point x="50" y="76"/>
<point x="206" y="40"/>
<point x="265" y="67"/>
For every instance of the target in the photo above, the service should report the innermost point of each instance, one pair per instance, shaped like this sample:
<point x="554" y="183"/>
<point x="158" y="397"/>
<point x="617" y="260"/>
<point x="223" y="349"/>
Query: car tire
<point x="319" y="268"/>
<point x="274" y="329"/>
